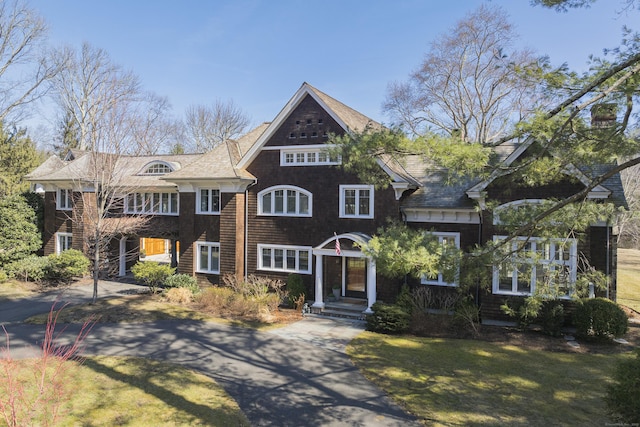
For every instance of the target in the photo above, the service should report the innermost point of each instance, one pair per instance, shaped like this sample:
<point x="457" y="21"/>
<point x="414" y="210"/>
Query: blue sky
<point x="258" y="52"/>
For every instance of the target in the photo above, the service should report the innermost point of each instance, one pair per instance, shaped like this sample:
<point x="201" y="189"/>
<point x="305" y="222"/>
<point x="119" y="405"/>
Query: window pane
<point x="215" y="200"/>
<point x="291" y="260"/>
<point x="266" y="258"/>
<point x="279" y="201"/>
<point x="174" y="202"/>
<point x="266" y="203"/>
<point x="278" y="258"/>
<point x="524" y="277"/>
<point x="215" y="258"/>
<point x="288" y="158"/>
<point x="364" y="202"/>
<point x="350" y="202"/>
<point x="204" y="200"/>
<point x="505" y="282"/>
<point x="304" y="204"/>
<point x="204" y="257"/>
<point x="303" y="260"/>
<point x="291" y="201"/>
<point x="311" y="157"/>
<point x="139" y="202"/>
<point x="156" y="203"/>
<point x="299" y="157"/>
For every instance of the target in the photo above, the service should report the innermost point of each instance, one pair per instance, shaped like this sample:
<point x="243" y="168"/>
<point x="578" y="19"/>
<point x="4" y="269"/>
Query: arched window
<point x="285" y="200"/>
<point x="156" y="168"/>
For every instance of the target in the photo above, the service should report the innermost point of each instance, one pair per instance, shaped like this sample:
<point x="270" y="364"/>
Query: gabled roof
<point x="348" y="118"/>
<point x="475" y="192"/>
<point x="219" y="163"/>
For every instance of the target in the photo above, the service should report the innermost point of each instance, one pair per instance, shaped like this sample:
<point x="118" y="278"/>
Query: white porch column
<point x="319" y="303"/>
<point x="371" y="285"/>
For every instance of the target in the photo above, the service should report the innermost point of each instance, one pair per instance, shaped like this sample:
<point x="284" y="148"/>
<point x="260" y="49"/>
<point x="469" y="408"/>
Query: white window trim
<point x="343" y="188"/>
<point x="67" y="197"/>
<point x="128" y="209"/>
<point x="572" y="264"/>
<point x="199" y="210"/>
<point x="165" y="165"/>
<point x="60" y="235"/>
<point x="284" y="268"/>
<point x="439" y="281"/>
<point x="306" y="150"/>
<point x="298" y="191"/>
<point x="199" y="269"/>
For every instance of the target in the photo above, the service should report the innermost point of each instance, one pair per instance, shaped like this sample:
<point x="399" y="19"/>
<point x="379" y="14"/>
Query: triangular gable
<point x="477" y="191"/>
<point x="346" y="117"/>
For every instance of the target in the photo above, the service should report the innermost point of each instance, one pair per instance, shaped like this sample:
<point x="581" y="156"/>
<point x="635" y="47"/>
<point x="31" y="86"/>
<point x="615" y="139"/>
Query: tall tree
<point x="208" y="126"/>
<point x="18" y="157"/>
<point x="473" y="82"/>
<point x="103" y="104"/>
<point x="24" y="62"/>
<point x="19" y="235"/>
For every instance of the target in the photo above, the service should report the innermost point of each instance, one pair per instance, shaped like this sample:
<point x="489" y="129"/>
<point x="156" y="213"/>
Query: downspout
<point x="246" y="228"/>
<point x="608" y="258"/>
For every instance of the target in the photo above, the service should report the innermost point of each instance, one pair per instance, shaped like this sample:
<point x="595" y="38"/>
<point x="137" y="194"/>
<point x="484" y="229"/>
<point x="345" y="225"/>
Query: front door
<point x="356" y="277"/>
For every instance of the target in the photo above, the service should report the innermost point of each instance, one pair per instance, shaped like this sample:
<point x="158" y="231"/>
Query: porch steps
<point x="345" y="308"/>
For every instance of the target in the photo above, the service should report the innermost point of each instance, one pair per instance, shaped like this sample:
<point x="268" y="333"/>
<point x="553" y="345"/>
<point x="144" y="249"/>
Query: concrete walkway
<point x="283" y="377"/>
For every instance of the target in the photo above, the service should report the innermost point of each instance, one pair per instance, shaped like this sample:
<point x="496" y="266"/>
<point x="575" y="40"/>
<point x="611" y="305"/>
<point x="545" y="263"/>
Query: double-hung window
<point x="63" y="242"/>
<point x="356" y="201"/>
<point x="64" y="199"/>
<point x="208" y="201"/>
<point x="285" y="200"/>
<point x="208" y="257"/>
<point x="450" y="268"/>
<point x="530" y="263"/>
<point x="292" y="259"/>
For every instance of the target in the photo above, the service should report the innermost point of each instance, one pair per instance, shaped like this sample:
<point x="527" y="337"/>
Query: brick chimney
<point x="603" y="115"/>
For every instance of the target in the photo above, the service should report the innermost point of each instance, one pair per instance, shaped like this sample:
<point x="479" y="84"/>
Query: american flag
<point x="338" y="251"/>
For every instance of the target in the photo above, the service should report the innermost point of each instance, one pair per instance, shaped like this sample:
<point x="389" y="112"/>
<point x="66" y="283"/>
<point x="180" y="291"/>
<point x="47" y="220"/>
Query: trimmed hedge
<point x="599" y="318"/>
<point x="388" y="319"/>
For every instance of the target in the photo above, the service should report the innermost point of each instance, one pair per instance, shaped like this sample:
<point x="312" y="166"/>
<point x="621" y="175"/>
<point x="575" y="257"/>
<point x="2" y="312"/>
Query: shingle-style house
<point x="274" y="202"/>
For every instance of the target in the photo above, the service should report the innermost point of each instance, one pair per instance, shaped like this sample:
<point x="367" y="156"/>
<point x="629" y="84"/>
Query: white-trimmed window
<point x="531" y="263"/>
<point x="63" y="242"/>
<point x="157" y="168"/>
<point x="208" y="257"/>
<point x="307" y="156"/>
<point x="64" y="199"/>
<point x="356" y="201"/>
<point x="285" y="200"/>
<point x="208" y="201"/>
<point x="451" y="270"/>
<point x="152" y="203"/>
<point x="291" y="259"/>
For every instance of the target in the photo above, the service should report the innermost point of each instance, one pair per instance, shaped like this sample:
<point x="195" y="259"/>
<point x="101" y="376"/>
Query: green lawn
<point x="123" y="391"/>
<point x="464" y="382"/>
<point x="629" y="278"/>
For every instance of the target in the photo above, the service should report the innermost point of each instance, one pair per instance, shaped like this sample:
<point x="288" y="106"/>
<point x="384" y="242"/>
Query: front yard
<point x="472" y="382"/>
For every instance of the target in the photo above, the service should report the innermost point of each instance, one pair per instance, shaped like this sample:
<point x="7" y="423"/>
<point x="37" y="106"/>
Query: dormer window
<point x="157" y="168"/>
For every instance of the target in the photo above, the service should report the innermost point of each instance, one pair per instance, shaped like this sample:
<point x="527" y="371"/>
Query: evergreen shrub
<point x="151" y="274"/>
<point x="67" y="265"/>
<point x="599" y="318"/>
<point x="388" y="319"/>
<point x="182" y="281"/>
<point x="295" y="288"/>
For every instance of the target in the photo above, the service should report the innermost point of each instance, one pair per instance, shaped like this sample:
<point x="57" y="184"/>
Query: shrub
<point x="623" y="397"/>
<point x="214" y="300"/>
<point x="65" y="266"/>
<point x="179" y="295"/>
<point x="182" y="281"/>
<point x="552" y="318"/>
<point x="524" y="311"/>
<point x="152" y="274"/>
<point x="295" y="289"/>
<point x="388" y="319"/>
<point x="467" y="315"/>
<point x="600" y="318"/>
<point x="3" y="276"/>
<point x="405" y="300"/>
<point x="32" y="268"/>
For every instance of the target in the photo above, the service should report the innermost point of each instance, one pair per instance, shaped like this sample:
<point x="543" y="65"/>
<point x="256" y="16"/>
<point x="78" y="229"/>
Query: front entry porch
<point x="340" y="265"/>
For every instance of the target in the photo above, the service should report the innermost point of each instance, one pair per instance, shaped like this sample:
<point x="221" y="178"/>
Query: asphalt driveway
<point x="287" y="377"/>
